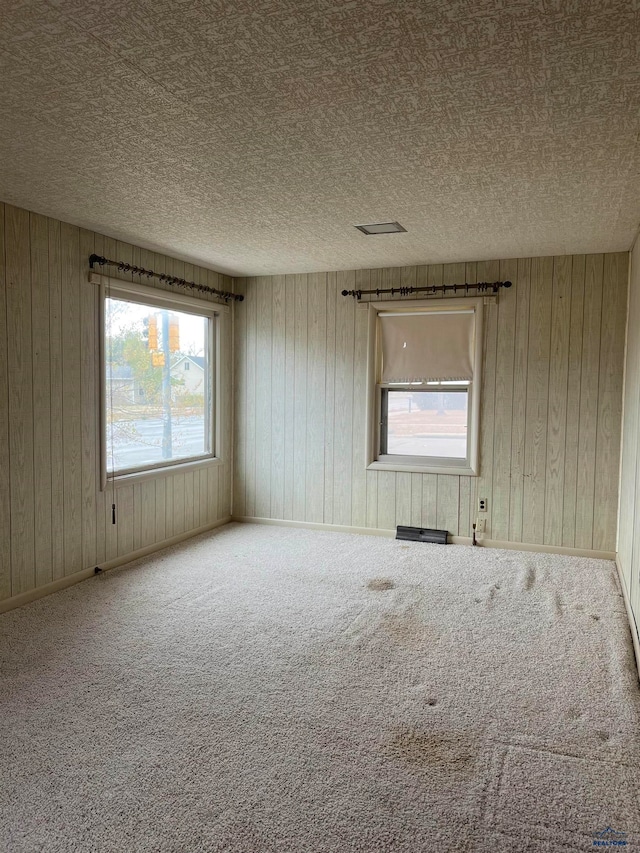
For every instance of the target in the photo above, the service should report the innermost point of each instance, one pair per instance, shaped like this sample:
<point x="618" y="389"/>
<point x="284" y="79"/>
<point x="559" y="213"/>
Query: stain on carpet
<point x="409" y="631"/>
<point x="380" y="584"/>
<point x="450" y="752"/>
<point x="529" y="578"/>
<point x="492" y="592"/>
<point x="558" y="605"/>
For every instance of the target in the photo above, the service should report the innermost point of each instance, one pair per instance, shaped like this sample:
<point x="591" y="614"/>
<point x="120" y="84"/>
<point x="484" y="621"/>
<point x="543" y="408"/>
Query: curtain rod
<point x="481" y="287"/>
<point x="167" y="279"/>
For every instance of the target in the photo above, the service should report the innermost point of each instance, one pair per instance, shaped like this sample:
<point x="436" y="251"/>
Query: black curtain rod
<point x="481" y="287"/>
<point x="167" y="279"/>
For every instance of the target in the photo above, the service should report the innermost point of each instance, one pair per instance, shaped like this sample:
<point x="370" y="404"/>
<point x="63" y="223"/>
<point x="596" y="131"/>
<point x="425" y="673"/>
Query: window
<point x="424" y="385"/>
<point x="153" y="416"/>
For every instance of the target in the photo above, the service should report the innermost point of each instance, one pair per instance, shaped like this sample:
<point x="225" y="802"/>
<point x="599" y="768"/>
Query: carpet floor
<point x="276" y="690"/>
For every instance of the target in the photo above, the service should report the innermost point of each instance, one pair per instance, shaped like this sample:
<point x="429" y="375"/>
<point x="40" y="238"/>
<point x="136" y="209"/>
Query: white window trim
<point x="116" y="288"/>
<point x="413" y="464"/>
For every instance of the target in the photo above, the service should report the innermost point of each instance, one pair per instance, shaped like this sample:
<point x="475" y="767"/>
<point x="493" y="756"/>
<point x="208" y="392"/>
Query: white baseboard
<point x="454" y="540"/>
<point x="315" y="525"/>
<point x="536" y="549"/>
<point x="633" y="625"/>
<point x="76" y="577"/>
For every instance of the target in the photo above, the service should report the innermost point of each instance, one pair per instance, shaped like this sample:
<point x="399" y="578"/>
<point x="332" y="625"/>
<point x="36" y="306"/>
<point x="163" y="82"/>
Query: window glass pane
<point x="427" y="423"/>
<point x="157" y="410"/>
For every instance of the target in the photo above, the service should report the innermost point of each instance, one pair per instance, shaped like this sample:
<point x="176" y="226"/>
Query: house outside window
<point x="182" y="386"/>
<point x="424" y="385"/>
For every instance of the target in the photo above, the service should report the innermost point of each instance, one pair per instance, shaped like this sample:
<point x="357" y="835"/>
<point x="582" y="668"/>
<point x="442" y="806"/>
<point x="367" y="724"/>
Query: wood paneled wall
<point x="54" y="520"/>
<point x="629" y="520"/>
<point x="551" y="404"/>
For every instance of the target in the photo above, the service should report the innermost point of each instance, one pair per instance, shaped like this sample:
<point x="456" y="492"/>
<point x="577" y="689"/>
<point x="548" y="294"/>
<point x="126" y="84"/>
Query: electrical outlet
<point x="481" y="525"/>
<point x="483" y="505"/>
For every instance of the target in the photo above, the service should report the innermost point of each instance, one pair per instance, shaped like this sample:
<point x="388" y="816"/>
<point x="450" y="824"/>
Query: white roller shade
<point x="428" y="347"/>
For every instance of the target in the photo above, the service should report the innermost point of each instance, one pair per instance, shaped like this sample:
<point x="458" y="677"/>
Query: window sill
<point x="162" y="471"/>
<point x="414" y="468"/>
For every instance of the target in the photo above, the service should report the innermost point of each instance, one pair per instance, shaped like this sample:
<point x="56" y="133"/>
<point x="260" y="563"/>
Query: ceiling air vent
<point x="381" y="228"/>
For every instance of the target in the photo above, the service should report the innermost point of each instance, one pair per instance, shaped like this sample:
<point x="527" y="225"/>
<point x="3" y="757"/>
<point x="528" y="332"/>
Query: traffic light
<point x="174" y="333"/>
<point x="153" y="332"/>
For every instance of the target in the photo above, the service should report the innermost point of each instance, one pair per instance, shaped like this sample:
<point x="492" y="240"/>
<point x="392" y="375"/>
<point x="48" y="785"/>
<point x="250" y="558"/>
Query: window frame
<point x="374" y="459"/>
<point x="217" y="315"/>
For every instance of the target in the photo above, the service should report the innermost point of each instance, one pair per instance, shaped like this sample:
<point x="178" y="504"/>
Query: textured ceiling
<point x="252" y="135"/>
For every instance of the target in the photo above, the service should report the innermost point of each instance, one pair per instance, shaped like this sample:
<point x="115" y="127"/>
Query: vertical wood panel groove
<point x="519" y="412"/>
<point x="316" y="335"/>
<point x="537" y="400"/>
<point x="557" y="414"/>
<point x="330" y="384"/>
<point x="488" y="271"/>
<point x="359" y="421"/>
<point x="278" y="380"/>
<point x="40" y="313"/>
<point x="343" y="410"/>
<point x="573" y="401"/>
<point x="589" y="397"/>
<point x="300" y="393"/>
<point x="264" y="397"/>
<point x="88" y="401"/>
<point x="503" y="404"/>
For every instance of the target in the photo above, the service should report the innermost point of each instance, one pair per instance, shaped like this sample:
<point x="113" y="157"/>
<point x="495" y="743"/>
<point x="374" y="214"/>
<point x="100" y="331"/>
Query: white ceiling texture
<point x="251" y="136"/>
